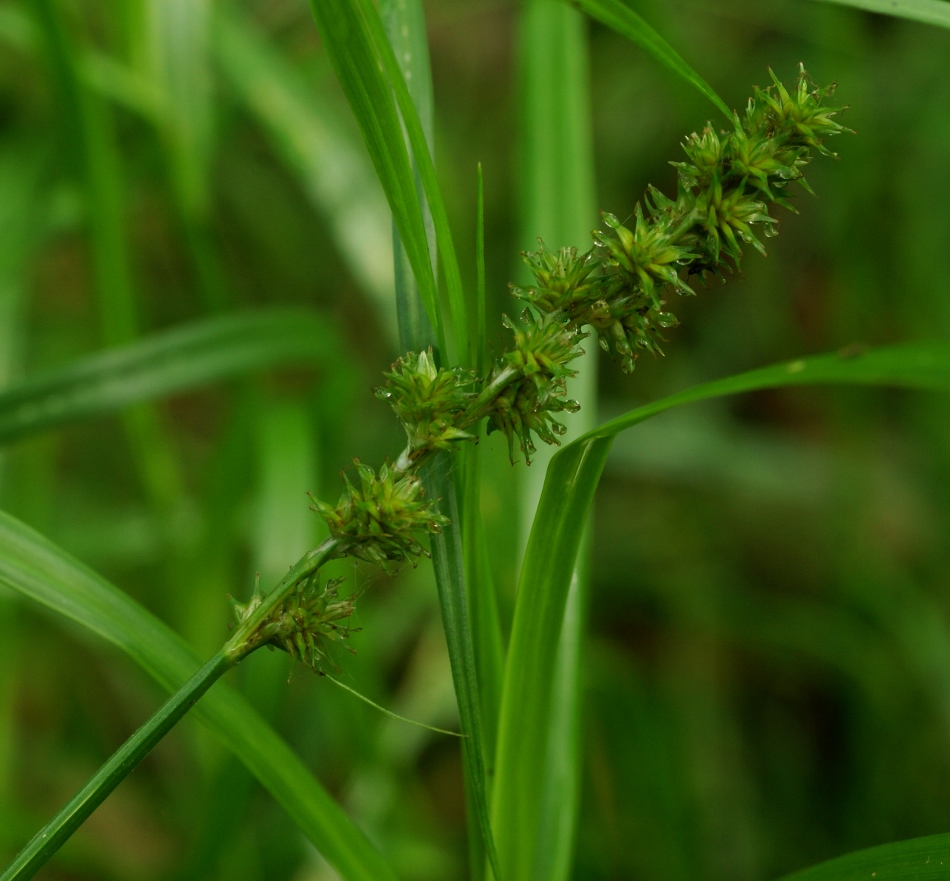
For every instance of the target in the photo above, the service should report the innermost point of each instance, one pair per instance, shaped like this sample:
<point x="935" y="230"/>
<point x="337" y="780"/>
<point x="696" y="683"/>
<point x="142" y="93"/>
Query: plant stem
<point x="58" y="830"/>
<point x="244" y="640"/>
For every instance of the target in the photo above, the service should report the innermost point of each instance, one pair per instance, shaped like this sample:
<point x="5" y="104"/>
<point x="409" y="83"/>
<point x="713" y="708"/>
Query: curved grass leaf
<point x="927" y="11"/>
<point x="558" y="531"/>
<point x="355" y="58"/>
<point x="165" y="363"/>
<point x="618" y="15"/>
<point x="35" y="567"/>
<point x="918" y="859"/>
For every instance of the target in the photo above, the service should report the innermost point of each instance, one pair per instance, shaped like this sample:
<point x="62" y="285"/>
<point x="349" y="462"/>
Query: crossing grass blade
<point x="353" y="53"/>
<point x="34" y="567"/>
<point x="936" y="12"/>
<point x="918" y="859"/>
<point x="618" y="15"/>
<point x="163" y="364"/>
<point x="542" y="604"/>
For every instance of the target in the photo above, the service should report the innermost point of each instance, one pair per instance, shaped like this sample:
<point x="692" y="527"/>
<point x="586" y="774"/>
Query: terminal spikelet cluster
<point x="724" y="189"/>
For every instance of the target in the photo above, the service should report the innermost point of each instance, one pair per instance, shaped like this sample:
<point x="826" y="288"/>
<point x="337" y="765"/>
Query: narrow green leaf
<point x="927" y="11"/>
<point x="34" y="567"/>
<point x="406" y="31"/>
<point x="173" y="57"/>
<point x="354" y="56"/>
<point x="479" y="355"/>
<point x="40" y="849"/>
<point x="169" y="42"/>
<point x="913" y="365"/>
<point x="163" y="364"/>
<point x="536" y="827"/>
<point x="422" y="155"/>
<point x="324" y="154"/>
<point x="449" y="569"/>
<point x="917" y="859"/>
<point x="447" y="557"/>
<point x="542" y="604"/>
<point x="618" y="15"/>
<point x="482" y="599"/>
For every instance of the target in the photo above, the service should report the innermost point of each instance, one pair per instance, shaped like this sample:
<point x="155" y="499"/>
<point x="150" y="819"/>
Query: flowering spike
<point x="305" y="622"/>
<point x="428" y="400"/>
<point x="382" y="520"/>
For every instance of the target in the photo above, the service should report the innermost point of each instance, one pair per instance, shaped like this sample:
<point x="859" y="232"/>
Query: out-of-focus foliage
<point x="767" y="679"/>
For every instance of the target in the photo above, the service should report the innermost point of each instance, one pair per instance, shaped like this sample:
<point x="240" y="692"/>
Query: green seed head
<point x="428" y="400"/>
<point x="541" y="352"/>
<point x="305" y="623"/>
<point x="384" y="518"/>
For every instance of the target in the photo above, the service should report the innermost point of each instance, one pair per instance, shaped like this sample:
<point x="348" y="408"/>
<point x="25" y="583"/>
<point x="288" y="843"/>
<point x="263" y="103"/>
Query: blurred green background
<point x="768" y="674"/>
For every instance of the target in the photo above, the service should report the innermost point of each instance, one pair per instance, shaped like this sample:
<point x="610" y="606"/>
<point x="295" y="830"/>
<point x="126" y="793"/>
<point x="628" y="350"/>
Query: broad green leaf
<point x="542" y="606"/>
<point x="324" y="154"/>
<point x="917" y="859"/>
<point x="927" y="11"/>
<point x="36" y="568"/>
<point x="163" y="364"/>
<point x="618" y="15"/>
<point x="536" y="824"/>
<point x="353" y="53"/>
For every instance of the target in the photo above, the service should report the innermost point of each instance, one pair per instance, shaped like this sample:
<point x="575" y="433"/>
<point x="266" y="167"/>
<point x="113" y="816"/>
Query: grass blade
<point x="917" y="859"/>
<point x="354" y="56"/>
<point x="449" y="569"/>
<point x="41" y="848"/>
<point x="554" y="545"/>
<point x="935" y="12"/>
<point x="406" y="32"/>
<point x="422" y="156"/>
<point x="34" y="567"/>
<point x="324" y="154"/>
<point x="536" y="820"/>
<point x="482" y="598"/>
<point x="618" y="15"/>
<point x="171" y="51"/>
<point x="447" y="555"/>
<point x="163" y="364"/>
<point x="90" y="141"/>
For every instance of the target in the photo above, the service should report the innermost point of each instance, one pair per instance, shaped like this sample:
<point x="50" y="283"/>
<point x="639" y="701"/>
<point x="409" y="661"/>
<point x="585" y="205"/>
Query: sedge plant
<point x="620" y="291"/>
<point x="727" y="186"/>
